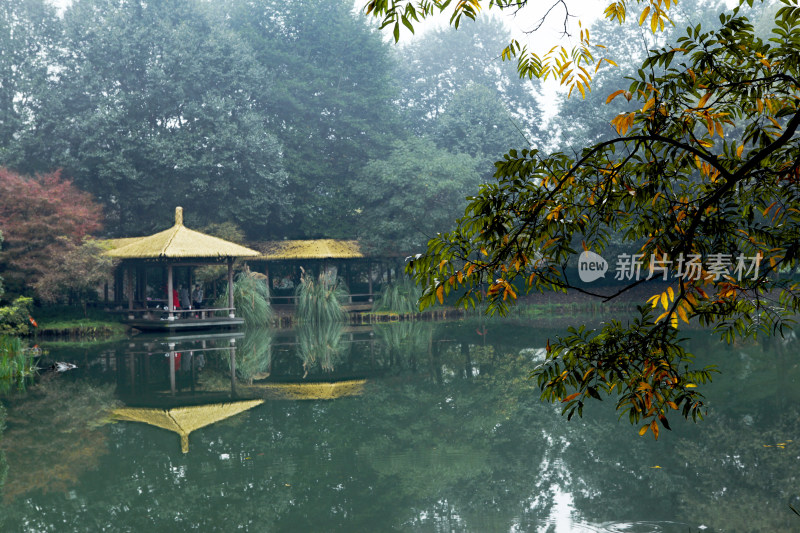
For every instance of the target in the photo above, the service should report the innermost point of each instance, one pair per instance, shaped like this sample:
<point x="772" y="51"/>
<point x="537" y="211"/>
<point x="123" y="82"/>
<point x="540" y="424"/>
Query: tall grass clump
<point x="399" y="297"/>
<point x="250" y="297"/>
<point x="16" y="363"/>
<point x="320" y="301"/>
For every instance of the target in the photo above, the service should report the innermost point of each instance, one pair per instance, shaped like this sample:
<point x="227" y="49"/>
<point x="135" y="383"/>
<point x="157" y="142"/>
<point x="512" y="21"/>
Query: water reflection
<point x="432" y="427"/>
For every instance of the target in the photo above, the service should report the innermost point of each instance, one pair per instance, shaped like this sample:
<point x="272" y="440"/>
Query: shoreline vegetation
<point x="71" y="324"/>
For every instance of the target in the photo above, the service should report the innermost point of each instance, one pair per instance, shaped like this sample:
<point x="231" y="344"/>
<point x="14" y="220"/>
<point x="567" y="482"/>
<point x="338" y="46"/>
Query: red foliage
<point x="34" y="213"/>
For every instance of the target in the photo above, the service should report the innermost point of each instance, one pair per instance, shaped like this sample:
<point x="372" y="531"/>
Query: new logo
<point x="591" y="266"/>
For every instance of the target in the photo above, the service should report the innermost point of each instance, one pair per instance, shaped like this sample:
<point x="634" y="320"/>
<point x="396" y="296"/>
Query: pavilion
<point x="171" y="249"/>
<point x="281" y="261"/>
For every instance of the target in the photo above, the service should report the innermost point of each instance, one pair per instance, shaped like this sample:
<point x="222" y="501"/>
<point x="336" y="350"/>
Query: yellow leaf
<point x="460" y="277"/>
<point x="739" y="151"/>
<point x="643" y="16"/>
<point x="671" y="293"/>
<point x="690" y="386"/>
<point x="571" y="397"/>
<point x="643" y="429"/>
<point x="440" y="294"/>
<point x="682" y="314"/>
<point x="654" y="428"/>
<point x="654" y="21"/>
<point x="614" y="95"/>
<point x="664" y="301"/>
<point x="718" y="127"/>
<point x="673" y="321"/>
<point x="704" y="99"/>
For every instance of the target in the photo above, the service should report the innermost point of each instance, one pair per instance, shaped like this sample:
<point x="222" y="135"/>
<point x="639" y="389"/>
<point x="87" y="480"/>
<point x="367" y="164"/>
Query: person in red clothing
<point x="176" y="303"/>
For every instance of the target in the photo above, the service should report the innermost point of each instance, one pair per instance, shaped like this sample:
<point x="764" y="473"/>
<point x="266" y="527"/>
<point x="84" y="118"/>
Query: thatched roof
<point x="179" y="242"/>
<point x="113" y="244"/>
<point x="310" y="390"/>
<point x="311" y="249"/>
<point x="184" y="420"/>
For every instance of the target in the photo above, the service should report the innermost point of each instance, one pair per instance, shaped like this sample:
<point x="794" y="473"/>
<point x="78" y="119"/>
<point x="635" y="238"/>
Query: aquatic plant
<point x="320" y="301"/>
<point x="250" y="297"/>
<point x="3" y="462"/>
<point x="16" y="362"/>
<point x="399" y="297"/>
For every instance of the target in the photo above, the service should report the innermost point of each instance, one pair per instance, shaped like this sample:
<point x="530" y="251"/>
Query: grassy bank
<point x="71" y="323"/>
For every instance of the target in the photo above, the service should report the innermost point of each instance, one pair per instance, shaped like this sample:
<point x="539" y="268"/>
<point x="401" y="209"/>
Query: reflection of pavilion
<point x="183" y="404"/>
<point x="155" y="368"/>
<point x="183" y="353"/>
<point x="328" y="390"/>
<point x="184" y="420"/>
<point x="175" y="248"/>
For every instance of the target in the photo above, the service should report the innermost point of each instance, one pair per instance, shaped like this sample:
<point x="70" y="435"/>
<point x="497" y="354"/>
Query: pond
<point x="411" y="426"/>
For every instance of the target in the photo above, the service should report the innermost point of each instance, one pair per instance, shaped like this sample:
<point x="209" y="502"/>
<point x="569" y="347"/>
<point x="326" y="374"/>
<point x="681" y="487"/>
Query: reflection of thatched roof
<point x="311" y="390"/>
<point x="180" y="242"/>
<point x="312" y="249"/>
<point x="184" y="420"/>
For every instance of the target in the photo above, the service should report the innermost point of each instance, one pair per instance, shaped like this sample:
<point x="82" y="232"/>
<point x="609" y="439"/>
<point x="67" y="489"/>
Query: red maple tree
<point x="35" y="212"/>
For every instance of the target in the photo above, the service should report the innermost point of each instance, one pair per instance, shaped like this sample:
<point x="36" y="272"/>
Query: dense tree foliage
<point x="718" y="218"/>
<point x="35" y="212"/>
<point x="329" y="102"/>
<point x="154" y="107"/>
<point x="414" y="192"/>
<point x="77" y="275"/>
<point x="29" y="33"/>
<point x="438" y="66"/>
<point x="260" y="113"/>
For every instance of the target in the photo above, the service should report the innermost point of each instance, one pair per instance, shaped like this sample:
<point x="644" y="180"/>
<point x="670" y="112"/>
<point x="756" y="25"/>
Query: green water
<point x="433" y="427"/>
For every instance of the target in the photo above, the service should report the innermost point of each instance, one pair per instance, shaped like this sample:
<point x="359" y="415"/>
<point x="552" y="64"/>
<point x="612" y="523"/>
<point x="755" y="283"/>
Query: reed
<point x="17" y="363"/>
<point x="250" y="297"/>
<point x="399" y="297"/>
<point x="320" y="301"/>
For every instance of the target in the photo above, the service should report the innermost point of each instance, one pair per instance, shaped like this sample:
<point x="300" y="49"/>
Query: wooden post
<point x="232" y="312"/>
<point x="144" y="285"/>
<point x="369" y="277"/>
<point x="119" y="284"/>
<point x="170" y="303"/>
<point x="131" y="288"/>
